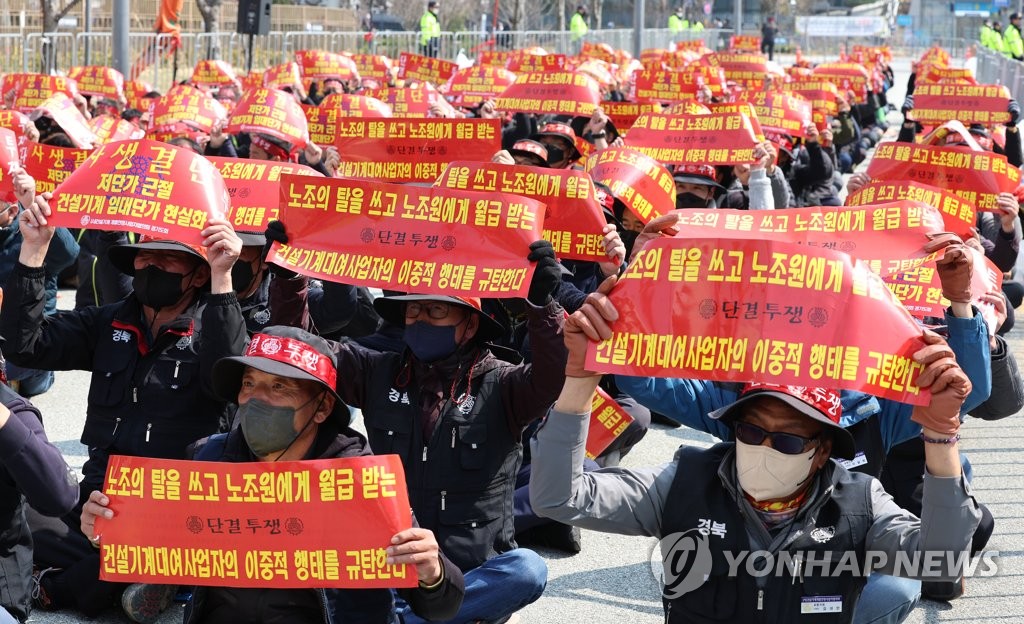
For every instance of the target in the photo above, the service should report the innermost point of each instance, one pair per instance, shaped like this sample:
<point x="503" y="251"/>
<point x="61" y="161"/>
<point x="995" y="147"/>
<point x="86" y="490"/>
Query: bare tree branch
<point x="66" y="9"/>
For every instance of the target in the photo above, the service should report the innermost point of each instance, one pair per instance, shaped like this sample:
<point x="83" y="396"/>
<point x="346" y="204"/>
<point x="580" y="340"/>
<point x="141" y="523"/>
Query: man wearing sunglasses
<point x="772" y="491"/>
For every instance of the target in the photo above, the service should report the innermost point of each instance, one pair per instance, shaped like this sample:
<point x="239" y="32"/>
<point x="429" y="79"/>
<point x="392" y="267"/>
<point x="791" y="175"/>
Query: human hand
<point x="614" y="248"/>
<point x="589" y="324"/>
<point x="1007" y="206"/>
<point x="95" y="507"/>
<point x="660" y="227"/>
<point x="417" y="547"/>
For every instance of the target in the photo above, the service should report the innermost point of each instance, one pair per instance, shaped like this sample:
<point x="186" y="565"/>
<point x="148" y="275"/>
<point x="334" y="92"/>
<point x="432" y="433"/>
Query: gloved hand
<point x="1014" y="109"/>
<point x="908" y="105"/>
<point x="949" y="386"/>
<point x="912" y="82"/>
<point x="547" y="276"/>
<point x="955" y="266"/>
<point x="275" y="232"/>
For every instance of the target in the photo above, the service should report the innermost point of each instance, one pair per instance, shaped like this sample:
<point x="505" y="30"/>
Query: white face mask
<point x="766" y="474"/>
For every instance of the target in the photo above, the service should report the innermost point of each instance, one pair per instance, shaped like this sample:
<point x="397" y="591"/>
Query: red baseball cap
<point x="821" y="404"/>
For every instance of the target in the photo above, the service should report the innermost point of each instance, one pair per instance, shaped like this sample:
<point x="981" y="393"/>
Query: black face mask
<point x="242" y="276"/>
<point x="628" y="238"/>
<point x="691" y="200"/>
<point x="157" y="288"/>
<point x="555" y="155"/>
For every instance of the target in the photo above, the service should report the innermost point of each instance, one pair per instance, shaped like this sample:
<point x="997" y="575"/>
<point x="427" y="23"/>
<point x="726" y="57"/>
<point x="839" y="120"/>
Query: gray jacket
<point x="631" y="501"/>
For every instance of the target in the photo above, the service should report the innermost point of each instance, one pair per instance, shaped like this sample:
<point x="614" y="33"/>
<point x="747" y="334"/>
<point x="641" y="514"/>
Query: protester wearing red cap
<point x="775" y="490"/>
<point x="288" y="410"/>
<point x="147" y="354"/>
<point x="560" y="140"/>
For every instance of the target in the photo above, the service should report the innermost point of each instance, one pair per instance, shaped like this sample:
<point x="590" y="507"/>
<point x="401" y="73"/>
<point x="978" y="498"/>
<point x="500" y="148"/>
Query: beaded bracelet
<point x="952" y="440"/>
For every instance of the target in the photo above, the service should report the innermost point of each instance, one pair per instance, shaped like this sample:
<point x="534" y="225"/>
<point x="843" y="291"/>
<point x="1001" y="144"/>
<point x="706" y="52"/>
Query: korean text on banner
<point x="607" y="422"/>
<point x="49" y="166"/>
<point x="296" y="524"/>
<point x="142" y="186"/>
<point x="958" y="215"/>
<point x="643" y="184"/>
<point x="936" y="104"/>
<point x="255" y="189"/>
<point x="722" y="139"/>
<point x="414" y="239"/>
<point x="560" y="93"/>
<point x="748" y="310"/>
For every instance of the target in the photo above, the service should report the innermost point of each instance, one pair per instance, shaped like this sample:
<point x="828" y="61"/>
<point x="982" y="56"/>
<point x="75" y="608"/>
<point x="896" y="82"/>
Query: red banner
<point x="957" y="215"/>
<point x="745" y="43"/>
<point x="49" y="166"/>
<point x="425" y="69"/>
<point x="977" y="177"/>
<point x="406" y="102"/>
<point x="624" y="114"/>
<point x="271" y="112"/>
<point x="412" y="150"/>
<point x="920" y="289"/>
<point x="296" y="524"/>
<point x="785" y="113"/>
<point x="885" y="236"/>
<point x="936" y="104"/>
<point x="322" y="124"/>
<point x="724" y="139"/>
<point x="255" y="189"/>
<point x="16" y="122"/>
<point x="742" y="108"/>
<point x="32" y="90"/>
<point x="375" y="66"/>
<point x="9" y="162"/>
<point x="497" y="58"/>
<point x="211" y="73"/>
<point x="573" y="219"/>
<point x="109" y="129"/>
<point x="473" y="85"/>
<point x="747" y="310"/>
<point x="745" y="69"/>
<point x="846" y="77"/>
<point x="414" y="239"/>
<point x="104" y="82"/>
<point x="135" y="91"/>
<point x="953" y="74"/>
<point x="820" y="93"/>
<point x="639" y="181"/>
<point x="607" y="422"/>
<point x="185" y="105"/>
<point x="321" y="65"/>
<point x="280" y="76"/>
<point x="666" y="87"/>
<point x="62" y="110"/>
<point x="535" y="63"/>
<point x="142" y="186"/>
<point x="560" y="93"/>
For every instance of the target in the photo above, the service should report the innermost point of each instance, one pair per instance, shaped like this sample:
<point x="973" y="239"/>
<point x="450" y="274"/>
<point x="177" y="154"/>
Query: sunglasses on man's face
<point x="786" y="443"/>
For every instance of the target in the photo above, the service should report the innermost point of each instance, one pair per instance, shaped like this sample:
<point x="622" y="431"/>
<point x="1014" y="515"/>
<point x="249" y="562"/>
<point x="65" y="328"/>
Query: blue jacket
<point x="689" y="401"/>
<point x="62" y="253"/>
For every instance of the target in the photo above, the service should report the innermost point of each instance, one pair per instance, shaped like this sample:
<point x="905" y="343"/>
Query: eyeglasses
<point x="436" y="310"/>
<point x="787" y="443"/>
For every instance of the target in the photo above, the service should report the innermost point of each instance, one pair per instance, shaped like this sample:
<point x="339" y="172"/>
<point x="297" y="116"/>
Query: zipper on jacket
<point x="453" y="437"/>
<point x="424" y="453"/>
<point x="760" y="600"/>
<point x="443" y="494"/>
<point x="668" y="612"/>
<point x="177" y="363"/>
<point x="135" y="394"/>
<point x="797" y="573"/>
<point x="117" y="423"/>
<point x="149" y="426"/>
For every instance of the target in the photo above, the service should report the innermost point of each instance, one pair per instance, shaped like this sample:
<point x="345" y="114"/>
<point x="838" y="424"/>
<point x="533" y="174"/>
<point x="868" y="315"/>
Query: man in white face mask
<point x="765" y="529"/>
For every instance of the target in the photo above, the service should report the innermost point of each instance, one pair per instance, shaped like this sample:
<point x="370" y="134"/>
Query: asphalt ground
<point x="611" y="580"/>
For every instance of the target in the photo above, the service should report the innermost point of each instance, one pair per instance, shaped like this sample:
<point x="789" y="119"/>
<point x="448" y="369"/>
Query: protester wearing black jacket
<point x="31" y="470"/>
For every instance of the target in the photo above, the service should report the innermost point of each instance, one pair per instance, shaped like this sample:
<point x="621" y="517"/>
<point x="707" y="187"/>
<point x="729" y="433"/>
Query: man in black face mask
<point x="149" y="355"/>
<point x="696" y="186"/>
<point x="455" y="414"/>
<point x="289" y="411"/>
<point x="560" y="141"/>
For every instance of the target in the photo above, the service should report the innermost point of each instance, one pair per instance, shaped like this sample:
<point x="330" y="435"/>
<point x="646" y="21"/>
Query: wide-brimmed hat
<point x="252" y="239"/>
<point x="392" y="310"/>
<point x="696" y="174"/>
<point x="561" y="130"/>
<point x="286" y="352"/>
<point x="123" y="256"/>
<point x="821" y="404"/>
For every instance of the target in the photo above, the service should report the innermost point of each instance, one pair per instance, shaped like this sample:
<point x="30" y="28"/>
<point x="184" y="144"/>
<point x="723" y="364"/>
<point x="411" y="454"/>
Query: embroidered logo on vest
<point x="823" y="534"/>
<point x="465" y="403"/>
<point x="398" y="397"/>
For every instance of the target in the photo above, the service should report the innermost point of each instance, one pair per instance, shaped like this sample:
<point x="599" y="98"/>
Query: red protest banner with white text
<point x="414" y="239"/>
<point x="607" y="422"/>
<point x="412" y="150"/>
<point x="747" y="310"/>
<point x="98" y="80"/>
<point x="887" y="237"/>
<point x="294" y="524"/>
<point x="920" y="288"/>
<point x="271" y="112"/>
<point x="723" y="139"/>
<point x="935" y="104"/>
<point x="406" y="102"/>
<point x="958" y="216"/>
<point x="573" y="219"/>
<point x="425" y="69"/>
<point x="639" y="181"/>
<point x="624" y="114"/>
<point x="560" y="93"/>
<point x="977" y="177"/>
<point x="375" y="66"/>
<point x="142" y="186"/>
<point x="785" y="113"/>
<point x="255" y="189"/>
<point x="49" y="166"/>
